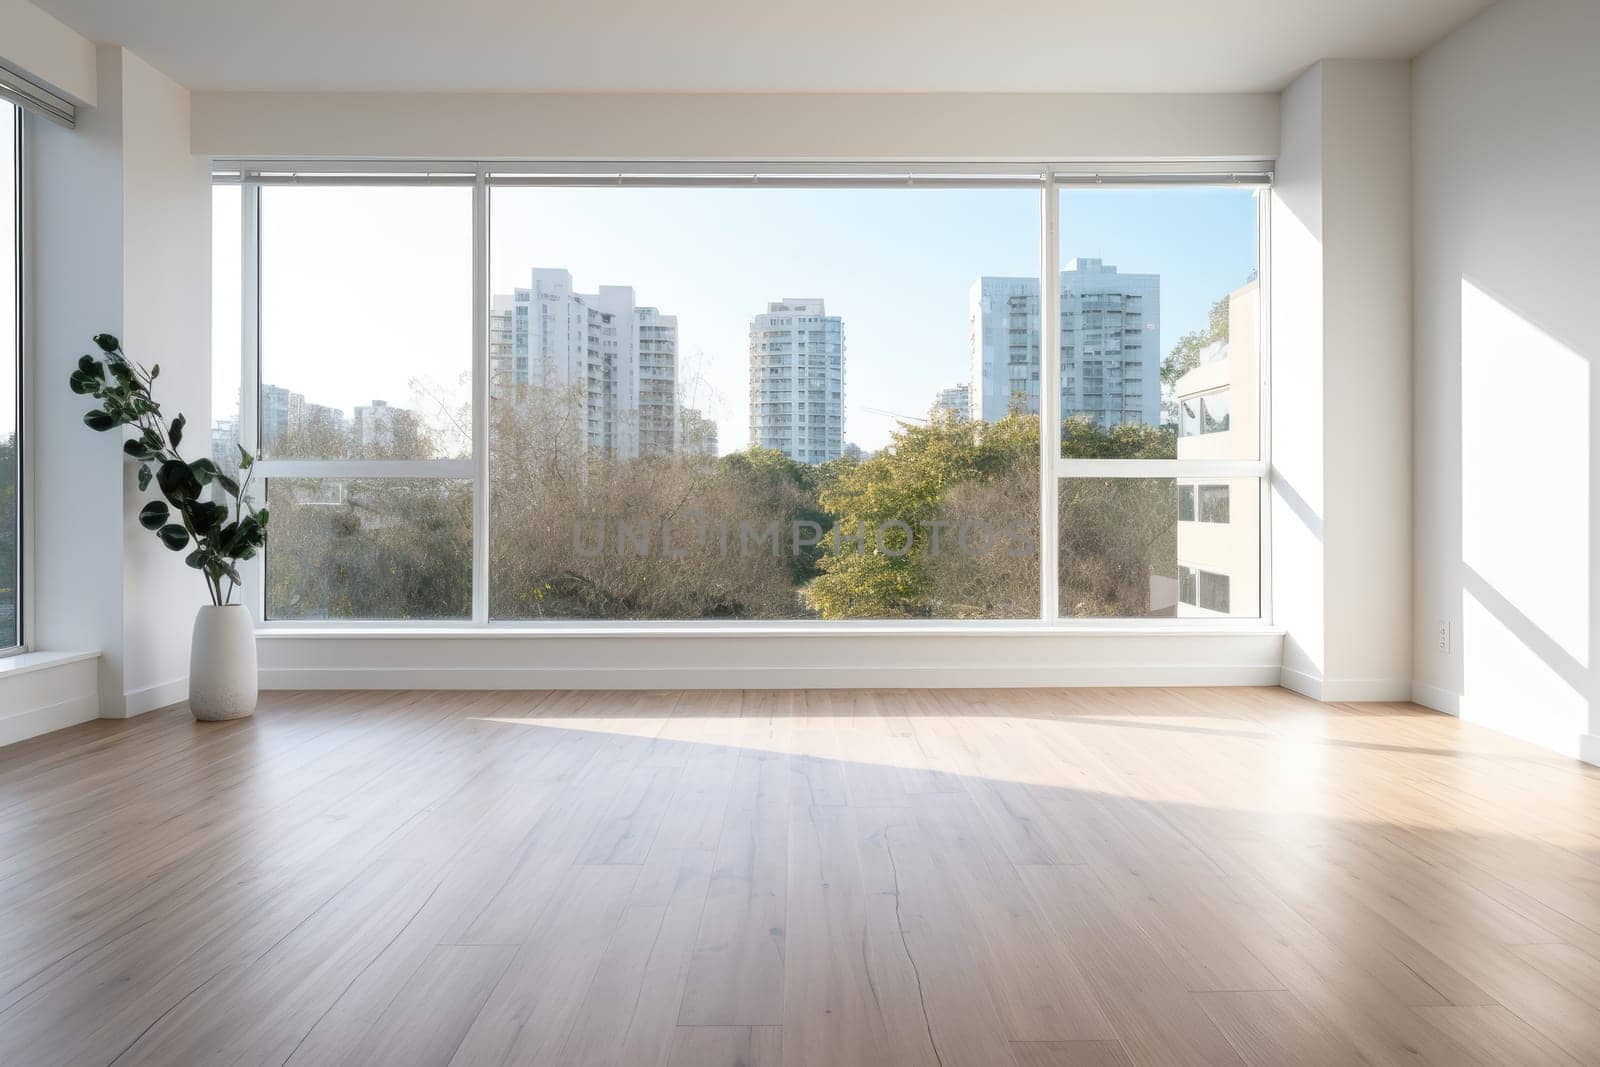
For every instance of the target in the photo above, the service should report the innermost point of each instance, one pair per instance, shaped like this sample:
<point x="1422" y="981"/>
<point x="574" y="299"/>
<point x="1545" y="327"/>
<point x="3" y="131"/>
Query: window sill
<point x="27" y="662"/>
<point x="515" y="631"/>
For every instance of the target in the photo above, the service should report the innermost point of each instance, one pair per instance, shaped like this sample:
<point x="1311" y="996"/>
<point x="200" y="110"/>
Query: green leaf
<point x="154" y="514"/>
<point x="144" y="477"/>
<point x="107" y="342"/>
<point x="205" y="517"/>
<point x="245" y="458"/>
<point x="155" y="372"/>
<point x="82" y="383"/>
<point x="228" y="483"/>
<point x="175" y="431"/>
<point x="178" y="482"/>
<point x="261" y="517"/>
<point x="90" y="366"/>
<point x="99" y="420"/>
<point x="196" y="559"/>
<point x="174" y="537"/>
<point x="152" y="440"/>
<point x="136" y="449"/>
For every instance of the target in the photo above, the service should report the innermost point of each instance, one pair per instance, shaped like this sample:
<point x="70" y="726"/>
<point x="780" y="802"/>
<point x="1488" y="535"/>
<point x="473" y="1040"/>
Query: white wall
<point x="1366" y="219"/>
<point x="1341" y="376"/>
<point x="1507" y="232"/>
<point x="1298" y="444"/>
<point x="1013" y="126"/>
<point x="166" y="271"/>
<point x="35" y="44"/>
<point x="120" y="215"/>
<point x="74" y="211"/>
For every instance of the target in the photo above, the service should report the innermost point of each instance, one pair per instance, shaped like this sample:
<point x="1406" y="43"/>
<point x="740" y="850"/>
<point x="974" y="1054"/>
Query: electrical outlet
<point x="1444" y="636"/>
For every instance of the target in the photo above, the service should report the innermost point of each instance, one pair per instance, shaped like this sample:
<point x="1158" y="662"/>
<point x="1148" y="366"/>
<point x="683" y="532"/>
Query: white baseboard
<point x="138" y="701"/>
<point x="1345" y="690"/>
<point x="1435" y="697"/>
<point x="1585" y="747"/>
<point x="822" y="677"/>
<point x="1307" y="685"/>
<point x="31" y="722"/>
<point x="1366" y="690"/>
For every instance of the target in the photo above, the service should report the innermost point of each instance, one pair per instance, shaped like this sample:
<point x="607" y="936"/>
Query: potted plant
<point x="216" y="535"/>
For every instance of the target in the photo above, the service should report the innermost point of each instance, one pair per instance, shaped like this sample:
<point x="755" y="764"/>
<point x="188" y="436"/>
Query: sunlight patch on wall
<point x="1524" y="475"/>
<point x="1508" y="687"/>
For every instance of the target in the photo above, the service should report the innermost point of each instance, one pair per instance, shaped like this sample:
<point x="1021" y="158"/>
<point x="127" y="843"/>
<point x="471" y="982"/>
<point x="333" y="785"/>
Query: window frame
<point x="21" y="347"/>
<point x="1048" y="177"/>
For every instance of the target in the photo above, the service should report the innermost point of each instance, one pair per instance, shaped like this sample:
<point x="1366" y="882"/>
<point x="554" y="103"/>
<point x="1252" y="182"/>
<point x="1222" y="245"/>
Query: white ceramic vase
<point x="222" y="664"/>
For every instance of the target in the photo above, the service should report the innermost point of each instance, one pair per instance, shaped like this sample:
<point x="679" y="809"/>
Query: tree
<point x="1117" y="536"/>
<point x="898" y="533"/>
<point x="1081" y="438"/>
<point x="576" y="533"/>
<point x="8" y="541"/>
<point x="943" y="523"/>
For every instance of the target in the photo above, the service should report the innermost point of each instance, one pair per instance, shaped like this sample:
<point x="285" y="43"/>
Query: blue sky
<point x="896" y="264"/>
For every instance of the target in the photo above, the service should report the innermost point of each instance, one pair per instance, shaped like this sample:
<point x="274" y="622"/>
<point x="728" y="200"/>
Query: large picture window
<point x="528" y="397"/>
<point x="720" y="403"/>
<point x="11" y="636"/>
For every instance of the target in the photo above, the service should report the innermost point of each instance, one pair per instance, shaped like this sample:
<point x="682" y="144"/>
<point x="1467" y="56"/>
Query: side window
<point x="11" y="635"/>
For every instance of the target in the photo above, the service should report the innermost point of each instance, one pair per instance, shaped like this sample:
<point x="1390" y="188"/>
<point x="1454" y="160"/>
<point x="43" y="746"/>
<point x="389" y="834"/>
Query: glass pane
<point x="1214" y="412"/>
<point x="1159" y="305"/>
<point x="1213" y="502"/>
<point x="366" y="322"/>
<point x="10" y="361"/>
<point x="756" y="404"/>
<point x="1134" y="548"/>
<point x="380" y="548"/>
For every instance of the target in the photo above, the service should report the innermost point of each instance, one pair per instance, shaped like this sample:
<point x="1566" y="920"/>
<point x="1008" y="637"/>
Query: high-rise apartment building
<point x="797" y="380"/>
<point x="617" y="360"/>
<point x="225" y="444"/>
<point x="1110" y="345"/>
<point x="374" y="427"/>
<point x="953" y="404"/>
<point x="285" y="415"/>
<point x="657" y="341"/>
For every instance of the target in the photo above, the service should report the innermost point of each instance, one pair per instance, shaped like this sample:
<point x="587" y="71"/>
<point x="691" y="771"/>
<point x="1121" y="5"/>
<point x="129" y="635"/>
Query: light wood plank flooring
<point x="1035" y="878"/>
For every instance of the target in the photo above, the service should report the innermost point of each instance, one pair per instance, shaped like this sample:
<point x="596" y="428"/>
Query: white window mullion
<point x="480" y="401"/>
<point x="1264" y="394"/>
<point x="1049" y="400"/>
<point x="255" y="570"/>
<point x="1161" y="468"/>
<point x="366" y="468"/>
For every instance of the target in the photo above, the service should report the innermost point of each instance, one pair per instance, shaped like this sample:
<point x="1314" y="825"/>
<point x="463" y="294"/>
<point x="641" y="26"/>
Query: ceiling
<point x="756" y="46"/>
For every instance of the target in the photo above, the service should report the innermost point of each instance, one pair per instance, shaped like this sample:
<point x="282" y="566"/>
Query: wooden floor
<point x="1032" y="877"/>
